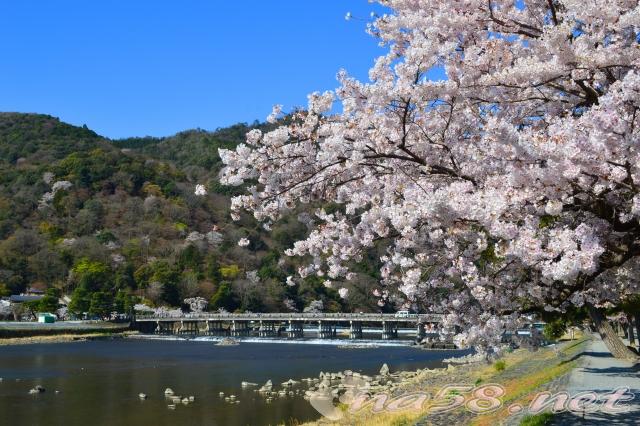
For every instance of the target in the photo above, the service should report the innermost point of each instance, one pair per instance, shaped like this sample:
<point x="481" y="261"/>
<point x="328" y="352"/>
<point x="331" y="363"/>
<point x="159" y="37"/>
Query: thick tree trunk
<point x="630" y="336"/>
<point x="610" y="338"/>
<point x="637" y="319"/>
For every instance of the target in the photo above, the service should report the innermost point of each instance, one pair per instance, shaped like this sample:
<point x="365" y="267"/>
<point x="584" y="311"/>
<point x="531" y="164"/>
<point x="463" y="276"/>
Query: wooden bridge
<point x="291" y="325"/>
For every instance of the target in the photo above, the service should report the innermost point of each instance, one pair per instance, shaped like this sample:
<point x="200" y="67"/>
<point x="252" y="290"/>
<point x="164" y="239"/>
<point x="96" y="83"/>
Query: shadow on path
<point x="601" y="373"/>
<point x="568" y="419"/>
<point x="588" y="354"/>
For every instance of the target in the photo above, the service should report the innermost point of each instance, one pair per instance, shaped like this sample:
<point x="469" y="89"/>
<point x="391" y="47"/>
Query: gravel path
<point x="600" y="372"/>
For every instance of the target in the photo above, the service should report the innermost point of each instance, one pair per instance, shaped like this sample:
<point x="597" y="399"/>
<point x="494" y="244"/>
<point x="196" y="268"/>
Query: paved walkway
<point x="600" y="372"/>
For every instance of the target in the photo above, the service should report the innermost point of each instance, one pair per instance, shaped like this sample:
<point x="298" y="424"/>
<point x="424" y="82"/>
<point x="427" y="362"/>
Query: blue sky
<point x="143" y="67"/>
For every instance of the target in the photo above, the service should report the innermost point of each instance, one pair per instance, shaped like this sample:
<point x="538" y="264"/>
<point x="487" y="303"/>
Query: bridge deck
<point x="412" y="318"/>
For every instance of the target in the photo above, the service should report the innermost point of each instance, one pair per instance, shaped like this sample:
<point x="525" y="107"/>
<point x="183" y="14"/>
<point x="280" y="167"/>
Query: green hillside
<point x="107" y="221"/>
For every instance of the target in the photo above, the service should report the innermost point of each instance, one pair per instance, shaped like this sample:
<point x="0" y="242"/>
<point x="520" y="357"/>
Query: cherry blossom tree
<point x="508" y="187"/>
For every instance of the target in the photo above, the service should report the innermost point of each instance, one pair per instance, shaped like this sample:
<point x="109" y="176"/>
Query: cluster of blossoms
<point x="343" y="292"/>
<point x="212" y="238"/>
<point x="200" y="190"/>
<point x="196" y="304"/>
<point x="61" y="185"/>
<point x="507" y="187"/>
<point x="290" y="305"/>
<point x="314" y="307"/>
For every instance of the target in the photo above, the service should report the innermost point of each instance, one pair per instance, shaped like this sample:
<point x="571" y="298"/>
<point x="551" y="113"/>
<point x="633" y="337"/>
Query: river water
<point x="99" y="381"/>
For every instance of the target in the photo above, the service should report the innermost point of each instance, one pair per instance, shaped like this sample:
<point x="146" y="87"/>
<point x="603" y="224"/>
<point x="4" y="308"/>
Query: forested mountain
<point x="107" y="220"/>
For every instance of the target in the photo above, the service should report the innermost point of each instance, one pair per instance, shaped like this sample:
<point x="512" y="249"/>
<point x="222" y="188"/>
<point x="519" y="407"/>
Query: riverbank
<point x="25" y="331"/>
<point x="66" y="337"/>
<point x="521" y="374"/>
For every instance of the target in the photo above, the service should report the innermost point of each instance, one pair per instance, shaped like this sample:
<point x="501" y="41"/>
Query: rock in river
<point x="384" y="370"/>
<point x="37" y="389"/>
<point x="266" y="387"/>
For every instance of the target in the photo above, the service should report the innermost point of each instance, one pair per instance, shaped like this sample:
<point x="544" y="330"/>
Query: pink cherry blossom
<point x="511" y="185"/>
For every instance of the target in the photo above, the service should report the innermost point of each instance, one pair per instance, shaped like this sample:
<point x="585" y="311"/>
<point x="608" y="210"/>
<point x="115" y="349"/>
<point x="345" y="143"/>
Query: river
<point x="98" y="382"/>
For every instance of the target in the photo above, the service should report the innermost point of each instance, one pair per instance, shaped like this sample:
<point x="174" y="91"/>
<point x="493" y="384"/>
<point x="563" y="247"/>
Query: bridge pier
<point x="267" y="329"/>
<point x="239" y="328"/>
<point x="295" y="329"/>
<point x="188" y="327"/>
<point x="421" y="332"/>
<point x="431" y="332"/>
<point x="355" y="329"/>
<point x="326" y="330"/>
<point x="214" y="328"/>
<point x="164" y="327"/>
<point x="389" y="330"/>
